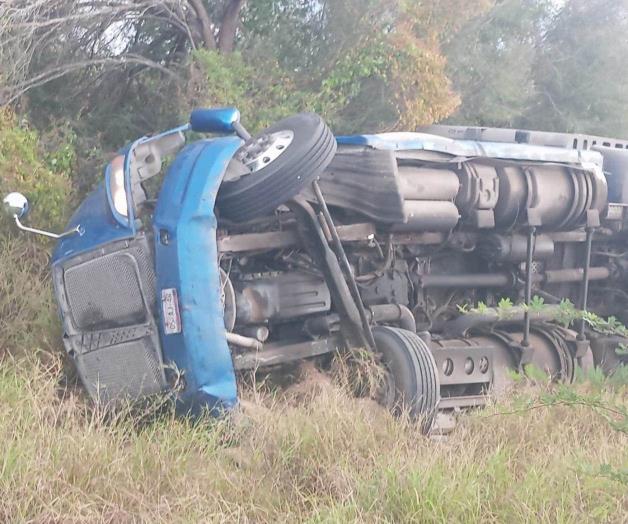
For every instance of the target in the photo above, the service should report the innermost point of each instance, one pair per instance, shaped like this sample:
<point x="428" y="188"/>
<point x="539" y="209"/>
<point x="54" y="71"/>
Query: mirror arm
<point x="76" y="230"/>
<point x="241" y="131"/>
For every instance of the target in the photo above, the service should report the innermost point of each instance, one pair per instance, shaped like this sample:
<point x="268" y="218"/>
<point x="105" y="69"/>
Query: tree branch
<point x="205" y="23"/>
<point x="62" y="70"/>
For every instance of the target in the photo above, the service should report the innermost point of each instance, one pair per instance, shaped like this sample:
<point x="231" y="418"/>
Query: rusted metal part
<point x="461" y="325"/>
<point x="478" y="194"/>
<point x="527" y="296"/>
<point x="549" y="350"/>
<point x="259" y="332"/>
<point x="605" y="354"/>
<point x="427" y="183"/>
<point x="444" y="424"/>
<point x="258" y="241"/>
<point x="513" y="248"/>
<point x="462" y="362"/>
<point x="427" y="238"/>
<point x="317" y="246"/>
<point x="567" y="236"/>
<point x="592" y="223"/>
<point x="288" y="238"/>
<point x="553" y="276"/>
<point x="347" y="270"/>
<point x="558" y="340"/>
<point x="364" y="180"/>
<point x="287" y="295"/>
<point x="466" y="401"/>
<point x="275" y="354"/>
<point x="483" y="363"/>
<point x="428" y="215"/>
<point x="228" y="300"/>
<point x="467" y="280"/>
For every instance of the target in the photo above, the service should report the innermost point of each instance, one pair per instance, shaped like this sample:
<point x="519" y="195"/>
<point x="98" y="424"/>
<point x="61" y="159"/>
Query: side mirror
<point x="218" y="120"/>
<point x="16" y="206"/>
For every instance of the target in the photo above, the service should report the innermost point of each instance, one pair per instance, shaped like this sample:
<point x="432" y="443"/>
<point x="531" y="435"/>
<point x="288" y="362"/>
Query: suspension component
<point x="471" y="367"/>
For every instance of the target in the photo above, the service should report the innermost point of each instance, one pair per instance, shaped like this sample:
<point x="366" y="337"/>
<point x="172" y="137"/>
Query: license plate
<point x="170" y="310"/>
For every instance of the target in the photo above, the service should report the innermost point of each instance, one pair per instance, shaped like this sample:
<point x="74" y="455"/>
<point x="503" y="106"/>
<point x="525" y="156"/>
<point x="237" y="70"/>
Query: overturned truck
<point x="456" y="255"/>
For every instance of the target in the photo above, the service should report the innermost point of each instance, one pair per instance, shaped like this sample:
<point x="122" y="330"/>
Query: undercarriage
<point x="493" y="262"/>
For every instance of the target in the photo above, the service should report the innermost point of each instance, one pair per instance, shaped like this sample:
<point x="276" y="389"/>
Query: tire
<point x="412" y="373"/>
<point x="306" y="156"/>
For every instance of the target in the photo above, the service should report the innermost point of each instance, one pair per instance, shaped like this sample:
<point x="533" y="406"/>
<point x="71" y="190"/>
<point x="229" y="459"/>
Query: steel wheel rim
<point x="261" y="151"/>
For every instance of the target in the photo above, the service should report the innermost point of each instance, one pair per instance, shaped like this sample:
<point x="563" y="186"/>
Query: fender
<point x="186" y="259"/>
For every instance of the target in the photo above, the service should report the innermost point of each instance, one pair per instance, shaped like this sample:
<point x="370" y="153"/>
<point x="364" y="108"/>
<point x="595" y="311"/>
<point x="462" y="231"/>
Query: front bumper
<point x="186" y="259"/>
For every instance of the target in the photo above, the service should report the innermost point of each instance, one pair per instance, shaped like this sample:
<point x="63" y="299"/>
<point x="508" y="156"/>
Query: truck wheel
<point x="412" y="383"/>
<point x="277" y="165"/>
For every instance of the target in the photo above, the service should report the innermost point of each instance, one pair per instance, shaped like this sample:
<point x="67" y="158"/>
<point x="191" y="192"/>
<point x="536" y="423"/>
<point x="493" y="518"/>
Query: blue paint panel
<point x="98" y="224"/>
<point x="186" y="259"/>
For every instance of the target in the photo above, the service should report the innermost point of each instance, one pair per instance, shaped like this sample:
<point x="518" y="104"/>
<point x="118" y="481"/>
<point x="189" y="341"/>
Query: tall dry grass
<point x="28" y="315"/>
<point x="310" y="454"/>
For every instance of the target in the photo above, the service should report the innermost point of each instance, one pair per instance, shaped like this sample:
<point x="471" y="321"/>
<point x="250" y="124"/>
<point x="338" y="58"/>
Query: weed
<point x="504" y="308"/>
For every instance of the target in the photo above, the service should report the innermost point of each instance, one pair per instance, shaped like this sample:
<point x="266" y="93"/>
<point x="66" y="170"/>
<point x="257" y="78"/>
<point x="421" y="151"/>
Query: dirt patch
<point x="310" y="382"/>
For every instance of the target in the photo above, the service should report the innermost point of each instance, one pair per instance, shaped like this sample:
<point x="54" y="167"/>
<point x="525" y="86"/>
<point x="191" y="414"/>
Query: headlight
<point x="116" y="186"/>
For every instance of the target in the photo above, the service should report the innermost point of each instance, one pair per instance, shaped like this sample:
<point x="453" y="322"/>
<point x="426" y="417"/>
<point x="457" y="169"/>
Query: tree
<point x="372" y="64"/>
<point x="123" y="67"/>
<point x="491" y="61"/>
<point x="43" y="40"/>
<point x="581" y="70"/>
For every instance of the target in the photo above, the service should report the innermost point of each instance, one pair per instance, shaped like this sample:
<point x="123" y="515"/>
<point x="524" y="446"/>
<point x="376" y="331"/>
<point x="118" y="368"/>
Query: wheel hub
<point x="264" y="149"/>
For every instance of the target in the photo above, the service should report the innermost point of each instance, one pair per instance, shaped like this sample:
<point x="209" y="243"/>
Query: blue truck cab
<point x="141" y="308"/>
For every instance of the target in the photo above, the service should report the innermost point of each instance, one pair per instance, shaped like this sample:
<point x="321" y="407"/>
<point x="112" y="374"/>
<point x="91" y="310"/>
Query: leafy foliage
<point x="536" y="304"/>
<point x="28" y="315"/>
<point x="581" y="70"/>
<point x="556" y="66"/>
<point x="388" y="72"/>
<point x="28" y="318"/>
<point x="615" y="415"/>
<point x="504" y="307"/>
<point x="129" y="69"/>
<point x="44" y="179"/>
<point x="492" y="60"/>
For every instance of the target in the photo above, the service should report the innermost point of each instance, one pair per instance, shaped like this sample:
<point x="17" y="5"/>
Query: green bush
<point x="43" y="178"/>
<point x="27" y="312"/>
<point x="262" y="97"/>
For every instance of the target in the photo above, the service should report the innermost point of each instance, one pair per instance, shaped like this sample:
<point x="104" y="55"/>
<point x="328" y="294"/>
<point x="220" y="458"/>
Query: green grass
<point x="310" y="454"/>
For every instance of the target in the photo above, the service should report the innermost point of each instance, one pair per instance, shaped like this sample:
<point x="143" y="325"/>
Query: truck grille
<point x="105" y="292"/>
<point x="107" y="302"/>
<point x="124" y="370"/>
